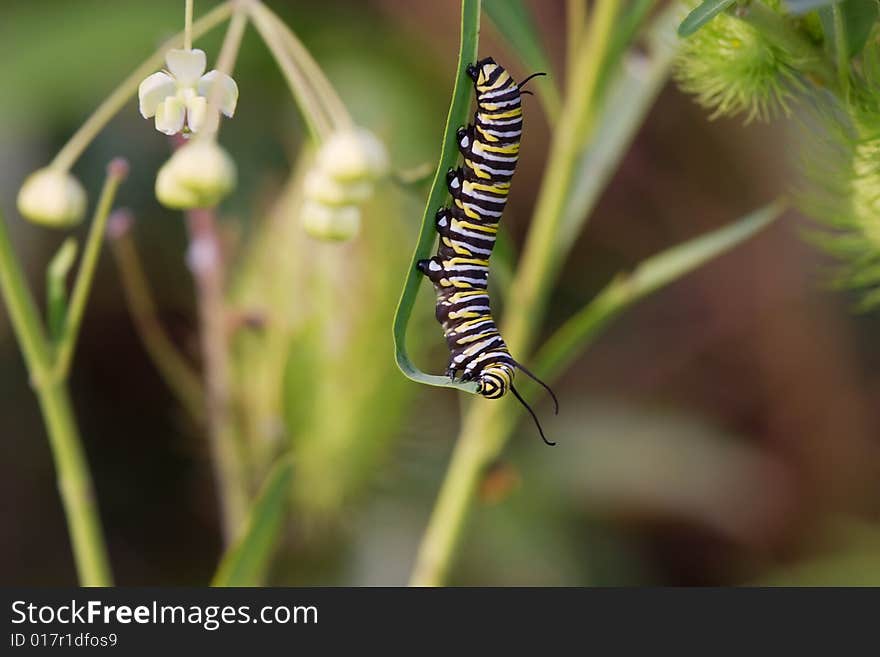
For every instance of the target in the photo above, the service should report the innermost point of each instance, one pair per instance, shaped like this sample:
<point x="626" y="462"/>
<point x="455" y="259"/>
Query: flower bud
<point x="200" y="174"/>
<point x="353" y="155"/>
<point x="733" y="69"/>
<point x="52" y="197"/>
<point x="320" y="187"/>
<point x="332" y="224"/>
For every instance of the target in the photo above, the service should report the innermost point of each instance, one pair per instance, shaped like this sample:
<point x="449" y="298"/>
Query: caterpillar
<point x="467" y="229"/>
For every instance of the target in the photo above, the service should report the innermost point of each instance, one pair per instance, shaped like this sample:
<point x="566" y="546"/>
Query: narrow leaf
<point x="655" y="272"/>
<point x="704" y="13"/>
<point x="56" y="286"/>
<point x="458" y="115"/>
<point x="859" y="17"/>
<point x="246" y="562"/>
<point x="517" y="26"/>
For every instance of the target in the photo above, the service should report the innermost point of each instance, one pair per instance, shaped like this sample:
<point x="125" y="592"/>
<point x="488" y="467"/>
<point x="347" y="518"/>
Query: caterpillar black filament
<point x="467" y="231"/>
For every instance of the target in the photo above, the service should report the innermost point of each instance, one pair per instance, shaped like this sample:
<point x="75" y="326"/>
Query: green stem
<point x="486" y="427"/>
<point x="314" y="115"/>
<point x="74" y="480"/>
<point x="228" y="458"/>
<point x="575" y="20"/>
<point x="335" y="108"/>
<point x="841" y="50"/>
<point x="75" y="486"/>
<point x="177" y="372"/>
<point x="116" y="172"/>
<point x="188" y="25"/>
<point x="117" y="99"/>
<point x="225" y="64"/>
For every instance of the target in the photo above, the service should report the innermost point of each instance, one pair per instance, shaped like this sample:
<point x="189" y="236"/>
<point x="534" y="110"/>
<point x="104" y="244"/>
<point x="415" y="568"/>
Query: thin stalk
<point x="117" y="99"/>
<point x="116" y="172"/>
<point x="188" y="25"/>
<point x="180" y="376"/>
<point x="206" y="262"/>
<point x="225" y="64"/>
<point x="336" y="109"/>
<point x="575" y="20"/>
<point x="74" y="480"/>
<point x="841" y="49"/>
<point x="485" y="429"/>
<point x="317" y="121"/>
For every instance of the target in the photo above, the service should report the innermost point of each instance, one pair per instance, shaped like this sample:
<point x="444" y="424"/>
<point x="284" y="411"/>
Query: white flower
<point x="332" y="224"/>
<point x="53" y="198"/>
<point x="180" y="96"/>
<point x="352" y="155"/>
<point x="200" y="174"/>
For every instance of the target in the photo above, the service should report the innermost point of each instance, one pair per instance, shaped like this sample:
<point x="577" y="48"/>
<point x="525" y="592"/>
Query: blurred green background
<point x="724" y="431"/>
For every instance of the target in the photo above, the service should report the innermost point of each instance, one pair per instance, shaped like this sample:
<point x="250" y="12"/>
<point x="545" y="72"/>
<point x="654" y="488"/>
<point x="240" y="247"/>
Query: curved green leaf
<point x="704" y="13"/>
<point x="458" y="115"/>
<point x="246" y="562"/>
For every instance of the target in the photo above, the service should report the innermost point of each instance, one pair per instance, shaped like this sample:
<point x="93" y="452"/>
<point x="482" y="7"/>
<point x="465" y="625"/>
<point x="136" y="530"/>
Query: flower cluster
<point x="346" y="167"/>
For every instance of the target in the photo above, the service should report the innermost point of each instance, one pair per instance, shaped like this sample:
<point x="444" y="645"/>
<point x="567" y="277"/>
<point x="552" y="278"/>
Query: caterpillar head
<point x="495" y="380"/>
<point x="481" y="71"/>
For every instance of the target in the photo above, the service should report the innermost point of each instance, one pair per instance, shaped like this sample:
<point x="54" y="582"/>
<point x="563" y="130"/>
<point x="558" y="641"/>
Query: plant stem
<point x="117" y="99"/>
<point x="178" y="374"/>
<point x="841" y="50"/>
<point x="225" y="64"/>
<point x="336" y="109"/>
<point x="575" y="20"/>
<point x="206" y="262"/>
<point x="486" y="426"/>
<point x="75" y="486"/>
<point x="187" y="25"/>
<point x="74" y="480"/>
<point x="317" y="121"/>
<point x="116" y="172"/>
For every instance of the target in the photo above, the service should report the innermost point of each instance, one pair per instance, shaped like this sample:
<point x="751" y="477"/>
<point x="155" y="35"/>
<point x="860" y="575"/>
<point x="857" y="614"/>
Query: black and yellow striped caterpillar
<point x="467" y="230"/>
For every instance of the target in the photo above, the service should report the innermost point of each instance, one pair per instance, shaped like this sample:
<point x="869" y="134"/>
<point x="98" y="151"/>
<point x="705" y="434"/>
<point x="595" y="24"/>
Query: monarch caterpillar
<point x="467" y="229"/>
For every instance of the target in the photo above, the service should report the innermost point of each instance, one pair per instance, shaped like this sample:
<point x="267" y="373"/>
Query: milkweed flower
<point x="52" y="197"/>
<point x="178" y="97"/>
<point x="199" y="174"/>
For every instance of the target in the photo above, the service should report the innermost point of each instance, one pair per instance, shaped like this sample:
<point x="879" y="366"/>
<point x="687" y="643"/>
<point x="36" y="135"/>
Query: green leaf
<point x="704" y="13"/>
<point x="515" y="23"/>
<point x="859" y="17"/>
<point x="56" y="286"/>
<point x="458" y="115"/>
<point x="246" y="562"/>
<point x="655" y="272"/>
